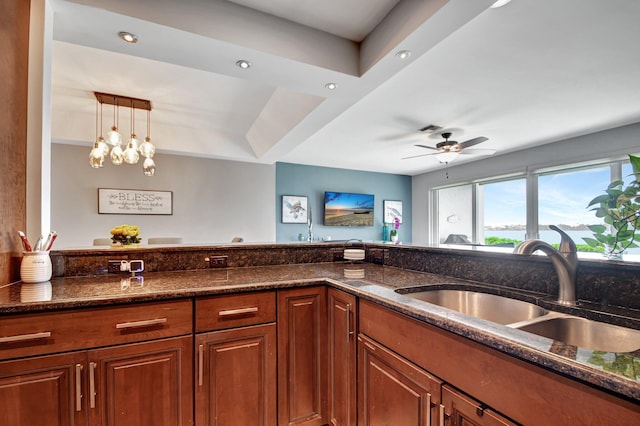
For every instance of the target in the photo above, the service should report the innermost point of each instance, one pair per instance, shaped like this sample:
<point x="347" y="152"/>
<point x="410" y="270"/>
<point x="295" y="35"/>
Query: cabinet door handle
<point x="200" y="363"/>
<point x="442" y="415"/>
<point x="78" y="387"/>
<point x="143" y="323"/>
<point x="350" y="332"/>
<point x="241" y="311"/>
<point x="428" y="409"/>
<point x="92" y="384"/>
<point x="23" y="337"/>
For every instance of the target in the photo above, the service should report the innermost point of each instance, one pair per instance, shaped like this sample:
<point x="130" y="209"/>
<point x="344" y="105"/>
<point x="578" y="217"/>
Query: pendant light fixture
<point x="133" y="150"/>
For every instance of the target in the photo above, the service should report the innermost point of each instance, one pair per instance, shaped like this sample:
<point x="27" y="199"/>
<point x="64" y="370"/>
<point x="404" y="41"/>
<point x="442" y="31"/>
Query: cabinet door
<point x="48" y="390"/>
<point x="341" y="320"/>
<point x="302" y="356"/>
<point x="392" y="391"/>
<point x="461" y="410"/>
<point x="142" y="384"/>
<point x="236" y="377"/>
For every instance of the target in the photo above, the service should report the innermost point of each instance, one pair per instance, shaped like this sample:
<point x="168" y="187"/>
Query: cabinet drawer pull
<point x="92" y="384"/>
<point x="442" y="415"/>
<point x="23" y="337"/>
<point x="241" y="311"/>
<point x="428" y="410"/>
<point x="143" y="323"/>
<point x="78" y="387"/>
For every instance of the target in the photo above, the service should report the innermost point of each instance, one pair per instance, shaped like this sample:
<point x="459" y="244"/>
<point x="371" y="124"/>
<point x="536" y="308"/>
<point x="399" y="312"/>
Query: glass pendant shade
<point x="134" y="142"/>
<point x="149" y="167"/>
<point x="146" y="148"/>
<point x="130" y="154"/>
<point x="102" y="145"/>
<point x="113" y="136"/>
<point x="117" y="155"/>
<point x="96" y="159"/>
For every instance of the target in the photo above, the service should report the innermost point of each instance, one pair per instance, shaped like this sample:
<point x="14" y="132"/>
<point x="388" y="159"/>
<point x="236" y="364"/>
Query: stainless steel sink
<point x="585" y="333"/>
<point x="498" y="309"/>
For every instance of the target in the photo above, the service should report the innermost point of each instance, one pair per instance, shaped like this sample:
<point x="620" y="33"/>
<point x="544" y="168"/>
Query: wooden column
<point x="14" y="45"/>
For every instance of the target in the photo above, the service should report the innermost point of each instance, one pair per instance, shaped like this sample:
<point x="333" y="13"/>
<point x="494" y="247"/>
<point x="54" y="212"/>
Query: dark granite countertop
<point x="377" y="284"/>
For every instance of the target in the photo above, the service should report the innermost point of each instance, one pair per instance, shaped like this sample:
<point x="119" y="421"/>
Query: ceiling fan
<point x="447" y="150"/>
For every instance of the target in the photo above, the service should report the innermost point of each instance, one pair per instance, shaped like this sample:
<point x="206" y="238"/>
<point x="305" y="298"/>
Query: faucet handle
<point x="566" y="243"/>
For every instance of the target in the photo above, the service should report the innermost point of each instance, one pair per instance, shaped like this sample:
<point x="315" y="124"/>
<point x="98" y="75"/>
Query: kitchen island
<point x="374" y="286"/>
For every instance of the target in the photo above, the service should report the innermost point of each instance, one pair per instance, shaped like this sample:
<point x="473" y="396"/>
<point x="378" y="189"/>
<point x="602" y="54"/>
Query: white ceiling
<point x="522" y="75"/>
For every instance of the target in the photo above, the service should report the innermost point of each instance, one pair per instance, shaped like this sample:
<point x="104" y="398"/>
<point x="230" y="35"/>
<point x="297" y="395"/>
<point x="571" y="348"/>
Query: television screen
<point x="347" y="209"/>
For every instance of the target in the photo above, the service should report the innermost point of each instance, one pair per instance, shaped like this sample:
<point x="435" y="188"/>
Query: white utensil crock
<point x="35" y="267"/>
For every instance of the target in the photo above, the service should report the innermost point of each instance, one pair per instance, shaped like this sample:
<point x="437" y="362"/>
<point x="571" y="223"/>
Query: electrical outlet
<point x="217" y="261"/>
<point x="115" y="266"/>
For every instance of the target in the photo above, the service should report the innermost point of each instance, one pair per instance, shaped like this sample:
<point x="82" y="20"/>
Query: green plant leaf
<point x="600" y="199"/>
<point x="635" y="165"/>
<point x="591" y="242"/>
<point x="598" y="229"/>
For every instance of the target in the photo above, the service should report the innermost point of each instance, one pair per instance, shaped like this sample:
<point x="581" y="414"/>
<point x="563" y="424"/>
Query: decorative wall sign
<point x="392" y="209"/>
<point x="294" y="209"/>
<point x="134" y="201"/>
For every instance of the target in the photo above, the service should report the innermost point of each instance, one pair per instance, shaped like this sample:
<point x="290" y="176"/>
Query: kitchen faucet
<point x="565" y="260"/>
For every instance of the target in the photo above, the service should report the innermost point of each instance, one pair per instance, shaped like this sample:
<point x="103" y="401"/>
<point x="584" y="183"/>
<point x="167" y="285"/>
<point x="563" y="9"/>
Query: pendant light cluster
<point x="112" y="145"/>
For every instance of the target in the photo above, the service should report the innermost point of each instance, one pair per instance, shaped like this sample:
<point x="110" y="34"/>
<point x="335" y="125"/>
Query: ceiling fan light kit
<point x="448" y="150"/>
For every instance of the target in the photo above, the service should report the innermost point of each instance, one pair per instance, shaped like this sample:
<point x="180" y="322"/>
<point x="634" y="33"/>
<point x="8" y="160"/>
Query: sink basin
<point x="498" y="309"/>
<point x="586" y="333"/>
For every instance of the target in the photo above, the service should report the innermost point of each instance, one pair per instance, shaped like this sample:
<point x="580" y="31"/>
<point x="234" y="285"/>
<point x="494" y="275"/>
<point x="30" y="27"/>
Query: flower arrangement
<point x="394" y="232"/>
<point x="125" y="234"/>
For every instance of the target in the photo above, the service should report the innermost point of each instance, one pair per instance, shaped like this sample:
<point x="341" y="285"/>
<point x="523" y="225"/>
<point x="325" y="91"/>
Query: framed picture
<point x="392" y="209"/>
<point x="134" y="201"/>
<point x="295" y="209"/>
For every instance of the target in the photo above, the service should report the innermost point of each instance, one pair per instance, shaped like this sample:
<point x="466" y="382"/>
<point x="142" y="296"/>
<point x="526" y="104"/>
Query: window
<point x="505" y="211"/>
<point x="501" y="211"/>
<point x="562" y="201"/>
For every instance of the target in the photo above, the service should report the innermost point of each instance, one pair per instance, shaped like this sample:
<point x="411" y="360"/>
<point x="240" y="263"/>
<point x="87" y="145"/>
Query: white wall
<point x="609" y="144"/>
<point x="213" y="200"/>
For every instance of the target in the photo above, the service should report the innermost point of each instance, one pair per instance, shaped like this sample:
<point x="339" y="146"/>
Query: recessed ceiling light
<point x="128" y="37"/>
<point x="403" y="54"/>
<point x="243" y="64"/>
<point x="499" y="3"/>
<point x="331" y="86"/>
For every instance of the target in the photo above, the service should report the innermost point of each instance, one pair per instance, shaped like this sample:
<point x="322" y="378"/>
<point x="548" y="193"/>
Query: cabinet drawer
<point x="238" y="310"/>
<point x="25" y="335"/>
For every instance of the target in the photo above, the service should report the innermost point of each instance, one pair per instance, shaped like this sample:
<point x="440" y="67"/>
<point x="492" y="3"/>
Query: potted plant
<point x="619" y="207"/>
<point x="393" y="234"/>
<point x="125" y="235"/>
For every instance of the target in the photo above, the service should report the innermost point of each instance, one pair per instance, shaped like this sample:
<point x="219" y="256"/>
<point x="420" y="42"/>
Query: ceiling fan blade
<point x="425" y="146"/>
<point x="478" y="152"/>
<point x="472" y="142"/>
<point x="421" y="155"/>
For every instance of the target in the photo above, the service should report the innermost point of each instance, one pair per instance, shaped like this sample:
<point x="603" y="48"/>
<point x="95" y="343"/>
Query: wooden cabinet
<point x="236" y="367"/>
<point x="45" y="390"/>
<point x="341" y="335"/>
<point x="393" y="391"/>
<point x="519" y="390"/>
<point x="146" y="383"/>
<point x="302" y="356"/>
<point x="462" y="410"/>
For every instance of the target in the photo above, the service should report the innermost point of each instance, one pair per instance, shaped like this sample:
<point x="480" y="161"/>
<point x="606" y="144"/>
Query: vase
<point x="35" y="267"/>
<point x="394" y="238"/>
<point x="613" y="256"/>
<point x="125" y="246"/>
<point x="385" y="232"/>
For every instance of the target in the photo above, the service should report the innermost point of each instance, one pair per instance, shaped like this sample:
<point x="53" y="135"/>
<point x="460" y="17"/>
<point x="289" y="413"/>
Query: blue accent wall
<point x="313" y="181"/>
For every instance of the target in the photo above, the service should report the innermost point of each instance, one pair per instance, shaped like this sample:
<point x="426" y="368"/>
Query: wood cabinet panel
<point x="142" y="384"/>
<point x="302" y="357"/>
<point x="393" y="391"/>
<point x="463" y="410"/>
<point x="495" y="378"/>
<point x="35" y="334"/>
<point x="236" y="377"/>
<point x="48" y="390"/>
<point x="341" y="335"/>
<point x="236" y="310"/>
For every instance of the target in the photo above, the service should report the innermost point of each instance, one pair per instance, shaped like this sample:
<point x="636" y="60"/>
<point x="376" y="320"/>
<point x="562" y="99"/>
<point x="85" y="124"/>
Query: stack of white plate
<point x="353" y="254"/>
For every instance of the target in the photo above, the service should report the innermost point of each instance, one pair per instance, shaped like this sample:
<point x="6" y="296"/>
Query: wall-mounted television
<point x="348" y="209"/>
